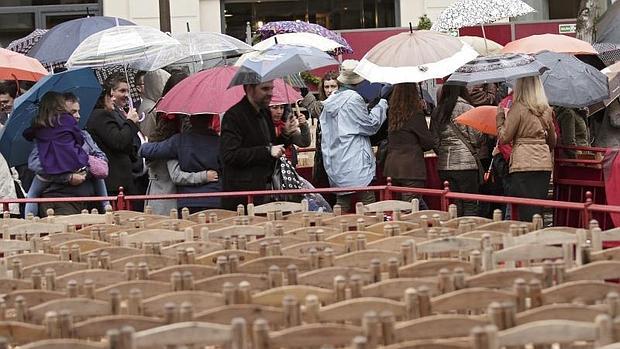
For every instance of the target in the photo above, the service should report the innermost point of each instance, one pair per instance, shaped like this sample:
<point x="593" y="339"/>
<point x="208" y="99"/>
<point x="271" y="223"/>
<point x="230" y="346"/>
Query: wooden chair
<point x="309" y="335"/>
<point x="416" y="216"/>
<point x="78" y="307"/>
<point x="28" y="259"/>
<point x="172" y="224"/>
<point x="212" y="214"/>
<point x="281" y="206"/>
<point x="84" y="219"/>
<point x="470" y="299"/>
<point x="148" y="289"/>
<point x="261" y="265"/>
<point x="437" y="327"/>
<point x="324" y="277"/>
<point x="304" y="233"/>
<point x="304" y="248"/>
<point x="249" y="312"/>
<point x="432" y="267"/>
<point x="545" y="332"/>
<point x="190" y="333"/>
<point x="18" y="332"/>
<point x="390" y="206"/>
<point x="197" y="272"/>
<point x="200" y="301"/>
<point x="98" y="327"/>
<point x="384" y="227"/>
<point x="572" y="312"/>
<point x="236" y="231"/>
<point x="587" y="292"/>
<point x="354" y="309"/>
<point x="274" y="296"/>
<point x="313" y="216"/>
<point x="256" y="282"/>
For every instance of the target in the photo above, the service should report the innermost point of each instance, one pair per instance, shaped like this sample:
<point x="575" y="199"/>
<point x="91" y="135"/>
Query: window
<point x="11" y="3"/>
<point x="332" y="14"/>
<point x="15" y="25"/>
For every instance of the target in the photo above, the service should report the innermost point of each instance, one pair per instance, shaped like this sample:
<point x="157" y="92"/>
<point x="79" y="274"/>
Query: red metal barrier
<point x="445" y="195"/>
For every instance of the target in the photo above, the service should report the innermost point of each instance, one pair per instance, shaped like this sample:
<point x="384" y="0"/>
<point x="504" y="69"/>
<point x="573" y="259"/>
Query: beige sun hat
<point x="347" y="75"/>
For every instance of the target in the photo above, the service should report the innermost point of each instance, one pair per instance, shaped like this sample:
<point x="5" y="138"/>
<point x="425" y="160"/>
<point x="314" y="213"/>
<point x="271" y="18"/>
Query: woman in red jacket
<point x="281" y="114"/>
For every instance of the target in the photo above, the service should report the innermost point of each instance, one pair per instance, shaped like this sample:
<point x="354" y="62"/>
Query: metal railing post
<point x="444" y="201"/>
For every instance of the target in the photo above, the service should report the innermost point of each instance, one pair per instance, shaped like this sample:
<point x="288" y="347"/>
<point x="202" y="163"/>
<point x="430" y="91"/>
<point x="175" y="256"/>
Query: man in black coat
<point x="249" y="146"/>
<point x="115" y="131"/>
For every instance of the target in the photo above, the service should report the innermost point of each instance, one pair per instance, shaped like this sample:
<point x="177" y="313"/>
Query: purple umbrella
<point x="272" y="28"/>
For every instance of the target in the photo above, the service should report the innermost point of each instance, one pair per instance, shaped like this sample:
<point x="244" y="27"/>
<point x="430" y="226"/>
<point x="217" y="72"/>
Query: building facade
<point x="20" y="17"/>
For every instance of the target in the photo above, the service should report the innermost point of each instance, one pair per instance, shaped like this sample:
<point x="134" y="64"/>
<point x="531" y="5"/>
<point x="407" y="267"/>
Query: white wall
<point x="202" y="15"/>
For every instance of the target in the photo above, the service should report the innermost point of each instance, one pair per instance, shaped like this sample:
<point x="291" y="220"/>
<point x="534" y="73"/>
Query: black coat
<point x="245" y="153"/>
<point x="115" y="136"/>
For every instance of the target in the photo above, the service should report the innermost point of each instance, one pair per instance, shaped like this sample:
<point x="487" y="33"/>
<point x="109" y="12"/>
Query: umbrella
<point x="481" y="45"/>
<point x="608" y="27"/>
<point x="413" y="57"/>
<point x="301" y="39"/>
<point x="214" y="83"/>
<point x="60" y="41"/>
<point x="25" y="44"/>
<point x="468" y="13"/>
<point x="609" y="53"/>
<point x="279" y="61"/>
<point x="81" y="82"/>
<point x="16" y="66"/>
<point x="497" y="68"/>
<point x="481" y="118"/>
<point x="613" y="77"/>
<point x="549" y="42"/>
<point x="281" y="27"/>
<point x="207" y="45"/>
<point x="571" y="83"/>
<point x="138" y="47"/>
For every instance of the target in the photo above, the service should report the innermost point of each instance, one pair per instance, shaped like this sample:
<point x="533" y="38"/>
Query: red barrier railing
<point x="584" y="209"/>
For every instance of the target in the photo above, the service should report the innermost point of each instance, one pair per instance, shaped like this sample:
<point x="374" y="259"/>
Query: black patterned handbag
<point x="285" y="177"/>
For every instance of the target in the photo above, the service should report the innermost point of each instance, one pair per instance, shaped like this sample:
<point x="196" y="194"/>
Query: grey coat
<point x="163" y="179"/>
<point x="452" y="153"/>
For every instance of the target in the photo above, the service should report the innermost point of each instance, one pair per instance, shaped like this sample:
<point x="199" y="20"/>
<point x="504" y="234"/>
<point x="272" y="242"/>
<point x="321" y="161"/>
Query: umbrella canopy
<point x="608" y="27"/>
<point x="613" y="78"/>
<point x="549" y="42"/>
<point x="571" y="83"/>
<point x="302" y="39"/>
<point x="467" y="13"/>
<point x="279" y="61"/>
<point x="497" y="68"/>
<point x="481" y="45"/>
<point x="609" y="53"/>
<point x="207" y="45"/>
<point x="413" y="57"/>
<point x="16" y="66"/>
<point x="481" y="118"/>
<point x="214" y="83"/>
<point x="25" y="44"/>
<point x="138" y="47"/>
<point x="281" y="27"/>
<point x="59" y="42"/>
<point x="81" y="82"/>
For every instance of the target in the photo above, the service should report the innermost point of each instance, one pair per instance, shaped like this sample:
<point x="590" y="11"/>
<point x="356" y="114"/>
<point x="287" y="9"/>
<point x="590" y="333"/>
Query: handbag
<point x="285" y="177"/>
<point x="474" y="153"/>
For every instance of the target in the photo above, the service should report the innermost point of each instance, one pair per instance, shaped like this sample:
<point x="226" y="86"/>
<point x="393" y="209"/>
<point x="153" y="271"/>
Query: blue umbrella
<point x="59" y="43"/>
<point x="279" y="61"/>
<point x="81" y="82"/>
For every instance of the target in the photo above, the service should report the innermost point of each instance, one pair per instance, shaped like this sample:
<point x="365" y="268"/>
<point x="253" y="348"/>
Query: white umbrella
<point x="482" y="45"/>
<point x="302" y="39"/>
<point x="468" y="13"/>
<point x="414" y="57"/>
<point x="138" y="47"/>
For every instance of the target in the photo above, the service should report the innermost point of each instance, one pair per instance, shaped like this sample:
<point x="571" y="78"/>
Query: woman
<point x="165" y="174"/>
<point x="458" y="147"/>
<point x="408" y="139"/>
<point x="573" y="129"/>
<point x="182" y="146"/>
<point x="529" y="126"/>
<point x="280" y="115"/>
<point x="327" y="86"/>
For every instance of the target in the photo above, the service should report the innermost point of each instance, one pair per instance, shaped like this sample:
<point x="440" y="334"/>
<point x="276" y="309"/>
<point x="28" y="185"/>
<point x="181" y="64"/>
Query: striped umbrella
<point x="23" y="45"/>
<point x="497" y="68"/>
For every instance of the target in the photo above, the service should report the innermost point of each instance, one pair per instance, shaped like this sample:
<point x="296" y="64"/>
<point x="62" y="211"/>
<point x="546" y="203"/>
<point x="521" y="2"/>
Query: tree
<point x="424" y="23"/>
<point x="586" y="17"/>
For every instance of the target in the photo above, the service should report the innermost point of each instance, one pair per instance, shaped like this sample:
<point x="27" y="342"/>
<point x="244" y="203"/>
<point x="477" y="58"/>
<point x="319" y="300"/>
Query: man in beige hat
<point x="347" y="126"/>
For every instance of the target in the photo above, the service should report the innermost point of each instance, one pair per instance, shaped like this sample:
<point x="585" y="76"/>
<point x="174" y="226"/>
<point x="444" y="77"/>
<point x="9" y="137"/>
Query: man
<point x="346" y="129"/>
<point x="139" y="81"/>
<point x="115" y="133"/>
<point x="8" y="93"/>
<point x="248" y="144"/>
<point x="73" y="105"/>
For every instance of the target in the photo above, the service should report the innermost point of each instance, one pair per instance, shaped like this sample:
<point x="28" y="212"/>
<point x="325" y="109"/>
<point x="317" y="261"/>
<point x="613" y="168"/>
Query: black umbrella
<point x="571" y="83"/>
<point x="496" y="68"/>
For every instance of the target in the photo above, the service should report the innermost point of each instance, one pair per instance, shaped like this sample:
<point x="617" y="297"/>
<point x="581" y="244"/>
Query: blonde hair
<point x="529" y="91"/>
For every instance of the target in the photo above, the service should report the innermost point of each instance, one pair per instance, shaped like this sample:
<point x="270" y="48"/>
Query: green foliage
<point x="310" y="79"/>
<point x="424" y="23"/>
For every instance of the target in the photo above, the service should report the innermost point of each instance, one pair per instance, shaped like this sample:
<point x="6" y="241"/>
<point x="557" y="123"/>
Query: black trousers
<point x="463" y="181"/>
<point x="529" y="184"/>
<point x="411" y="183"/>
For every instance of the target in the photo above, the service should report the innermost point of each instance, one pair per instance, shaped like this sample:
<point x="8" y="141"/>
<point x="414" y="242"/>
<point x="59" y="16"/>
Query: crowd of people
<point x="131" y="146"/>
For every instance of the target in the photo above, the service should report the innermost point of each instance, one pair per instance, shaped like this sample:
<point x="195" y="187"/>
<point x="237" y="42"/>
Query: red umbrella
<point x="207" y="92"/>
<point x="481" y="118"/>
<point x="16" y="66"/>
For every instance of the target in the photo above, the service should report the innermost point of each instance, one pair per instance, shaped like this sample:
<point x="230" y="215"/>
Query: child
<point x="61" y="152"/>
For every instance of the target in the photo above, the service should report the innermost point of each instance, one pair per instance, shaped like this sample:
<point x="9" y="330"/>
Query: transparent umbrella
<point x="201" y="46"/>
<point x="138" y="47"/>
